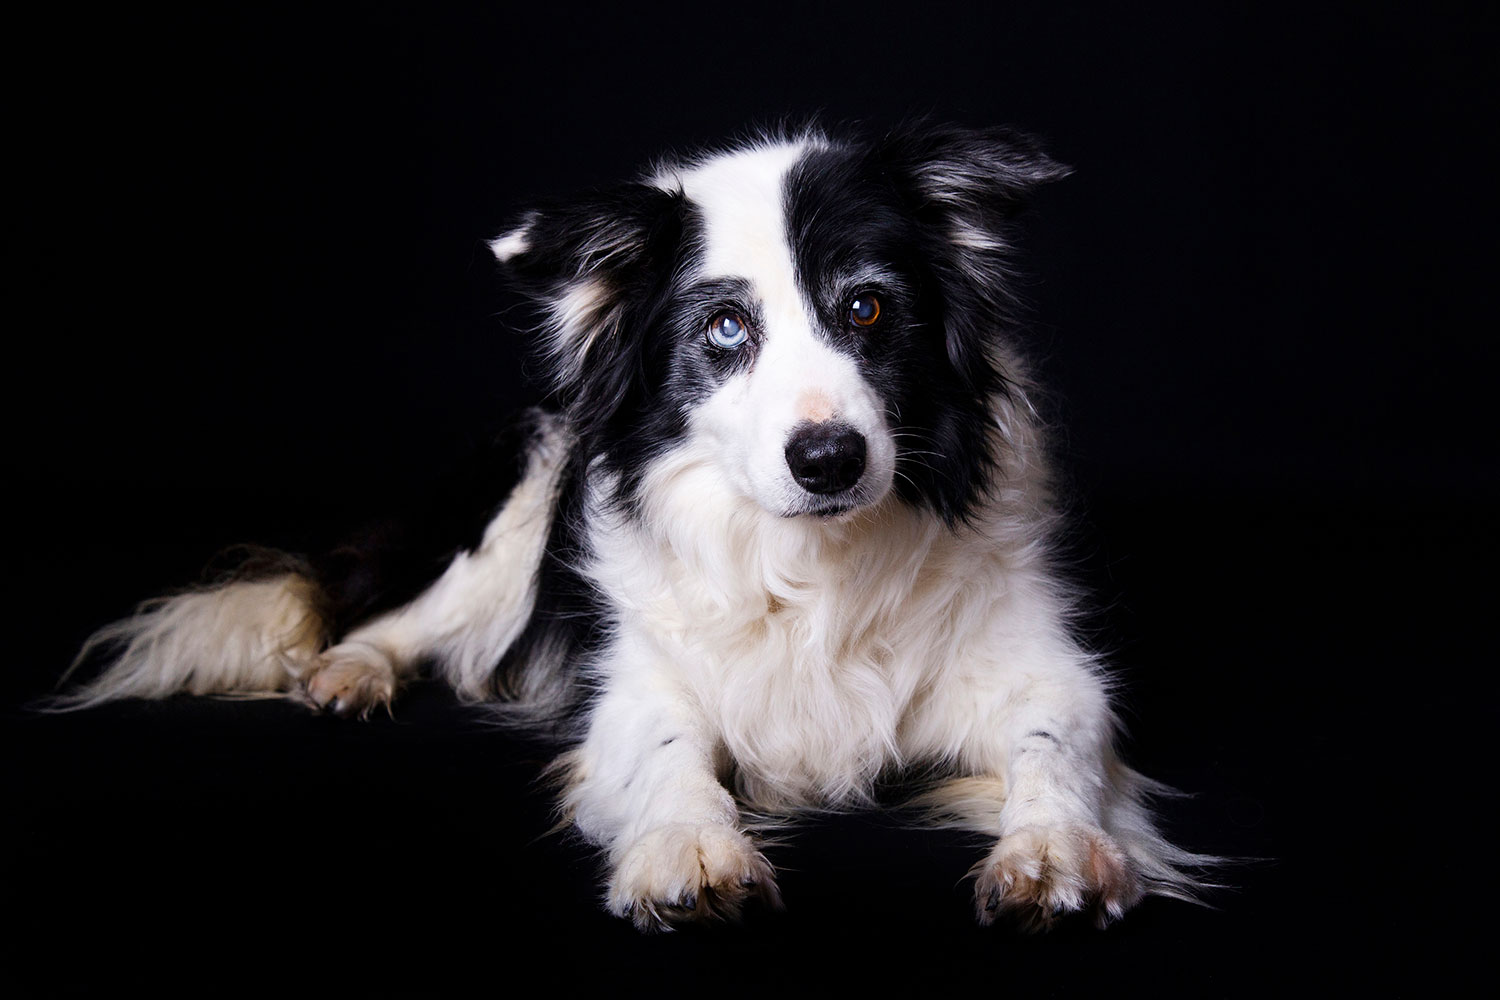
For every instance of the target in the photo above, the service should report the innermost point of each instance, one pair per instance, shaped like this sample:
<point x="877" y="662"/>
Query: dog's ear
<point x="590" y="264"/>
<point x="603" y="231"/>
<point x="964" y="187"/>
<point x="975" y="179"/>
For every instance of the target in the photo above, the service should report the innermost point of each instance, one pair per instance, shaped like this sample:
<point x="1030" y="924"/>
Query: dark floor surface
<point x="180" y="843"/>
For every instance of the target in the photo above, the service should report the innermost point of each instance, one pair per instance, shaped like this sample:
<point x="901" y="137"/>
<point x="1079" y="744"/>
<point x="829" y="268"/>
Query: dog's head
<point x="823" y="319"/>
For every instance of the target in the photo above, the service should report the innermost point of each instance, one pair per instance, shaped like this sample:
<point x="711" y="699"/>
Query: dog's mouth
<point x="827" y="510"/>
<point x="831" y="511"/>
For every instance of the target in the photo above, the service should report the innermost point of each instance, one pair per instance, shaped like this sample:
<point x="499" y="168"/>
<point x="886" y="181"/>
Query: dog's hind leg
<point x="267" y="628"/>
<point x="465" y="620"/>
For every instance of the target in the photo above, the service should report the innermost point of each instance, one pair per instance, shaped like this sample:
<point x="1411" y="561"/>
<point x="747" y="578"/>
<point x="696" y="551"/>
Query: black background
<point x="254" y="302"/>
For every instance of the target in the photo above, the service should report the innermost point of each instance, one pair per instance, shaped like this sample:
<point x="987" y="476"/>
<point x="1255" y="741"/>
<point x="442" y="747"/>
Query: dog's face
<point x="819" y="319"/>
<point x="796" y="401"/>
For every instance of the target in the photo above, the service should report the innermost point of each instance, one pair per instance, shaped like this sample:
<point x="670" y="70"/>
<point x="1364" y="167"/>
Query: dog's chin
<point x="835" y="508"/>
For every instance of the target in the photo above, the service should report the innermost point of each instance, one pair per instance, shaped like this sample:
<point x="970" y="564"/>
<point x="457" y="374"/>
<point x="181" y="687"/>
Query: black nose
<point x="826" y="458"/>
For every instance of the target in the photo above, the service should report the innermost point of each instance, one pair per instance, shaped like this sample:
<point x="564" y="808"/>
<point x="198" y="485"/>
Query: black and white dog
<point x="786" y="531"/>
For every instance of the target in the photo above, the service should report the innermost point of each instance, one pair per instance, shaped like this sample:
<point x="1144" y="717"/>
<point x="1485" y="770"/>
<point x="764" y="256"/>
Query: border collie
<point x="785" y="530"/>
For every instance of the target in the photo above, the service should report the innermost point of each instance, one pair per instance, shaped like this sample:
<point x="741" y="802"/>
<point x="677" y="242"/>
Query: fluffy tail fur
<point x="244" y="636"/>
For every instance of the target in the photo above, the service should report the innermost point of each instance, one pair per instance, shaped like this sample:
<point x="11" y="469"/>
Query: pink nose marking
<point x="815" y="405"/>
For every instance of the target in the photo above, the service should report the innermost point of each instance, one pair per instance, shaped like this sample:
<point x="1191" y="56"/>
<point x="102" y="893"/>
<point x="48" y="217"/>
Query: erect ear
<point x="586" y="262"/>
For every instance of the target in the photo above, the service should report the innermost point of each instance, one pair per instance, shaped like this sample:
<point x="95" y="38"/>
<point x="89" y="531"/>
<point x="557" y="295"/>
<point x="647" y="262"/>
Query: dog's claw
<point x="350" y="681"/>
<point x="1041" y="874"/>
<point x="701" y="873"/>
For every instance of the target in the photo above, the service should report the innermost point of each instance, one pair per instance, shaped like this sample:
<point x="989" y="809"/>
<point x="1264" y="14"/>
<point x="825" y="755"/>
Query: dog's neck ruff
<point x="774" y="623"/>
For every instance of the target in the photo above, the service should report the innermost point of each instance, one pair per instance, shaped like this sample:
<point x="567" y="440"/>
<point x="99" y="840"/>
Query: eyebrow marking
<point x="728" y="289"/>
<point x="868" y="276"/>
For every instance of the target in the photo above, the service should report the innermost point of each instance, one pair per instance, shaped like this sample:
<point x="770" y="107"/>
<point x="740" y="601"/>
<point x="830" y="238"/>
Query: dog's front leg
<point x="1043" y="778"/>
<point x="643" y="786"/>
<point x="1055" y="854"/>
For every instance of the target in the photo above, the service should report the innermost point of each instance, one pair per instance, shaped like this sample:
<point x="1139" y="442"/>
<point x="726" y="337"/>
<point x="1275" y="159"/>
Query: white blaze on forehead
<point x="741" y="197"/>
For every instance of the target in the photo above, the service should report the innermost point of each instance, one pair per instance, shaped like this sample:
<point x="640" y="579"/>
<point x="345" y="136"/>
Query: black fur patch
<point x="568" y="618"/>
<point x="636" y="243"/>
<point x="921" y="220"/>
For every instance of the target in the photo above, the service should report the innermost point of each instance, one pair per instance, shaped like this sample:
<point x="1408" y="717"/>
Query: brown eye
<point x="727" y="331"/>
<point x="864" y="310"/>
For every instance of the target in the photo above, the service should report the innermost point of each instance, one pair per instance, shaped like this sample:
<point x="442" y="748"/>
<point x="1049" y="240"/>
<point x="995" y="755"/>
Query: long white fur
<point x="793" y="658"/>
<point x="241" y="637"/>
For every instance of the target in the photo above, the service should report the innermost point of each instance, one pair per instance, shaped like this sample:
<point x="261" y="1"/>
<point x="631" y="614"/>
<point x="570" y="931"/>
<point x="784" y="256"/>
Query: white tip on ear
<point x="513" y="243"/>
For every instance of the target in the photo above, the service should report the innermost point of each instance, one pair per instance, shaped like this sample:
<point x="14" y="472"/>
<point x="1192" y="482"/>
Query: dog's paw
<point x="1040" y="873"/>
<point x="684" y="872"/>
<point x="351" y="680"/>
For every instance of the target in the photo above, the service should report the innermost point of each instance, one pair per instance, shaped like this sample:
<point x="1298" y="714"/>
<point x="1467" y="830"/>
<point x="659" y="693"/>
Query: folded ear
<point x="964" y="188"/>
<point x="588" y="263"/>
<point x="600" y="229"/>
<point x="977" y="177"/>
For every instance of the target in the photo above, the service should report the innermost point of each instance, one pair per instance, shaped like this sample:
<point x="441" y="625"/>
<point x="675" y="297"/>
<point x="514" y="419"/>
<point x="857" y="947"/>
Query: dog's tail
<point x="253" y="634"/>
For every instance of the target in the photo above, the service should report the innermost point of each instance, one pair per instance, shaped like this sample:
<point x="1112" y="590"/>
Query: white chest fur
<point x="811" y="648"/>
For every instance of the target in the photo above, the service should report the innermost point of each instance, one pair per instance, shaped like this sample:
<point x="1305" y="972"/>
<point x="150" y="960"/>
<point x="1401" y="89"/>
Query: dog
<point x="786" y="527"/>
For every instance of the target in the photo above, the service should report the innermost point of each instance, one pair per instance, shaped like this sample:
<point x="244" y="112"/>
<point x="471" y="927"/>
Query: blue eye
<point x="727" y="330"/>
